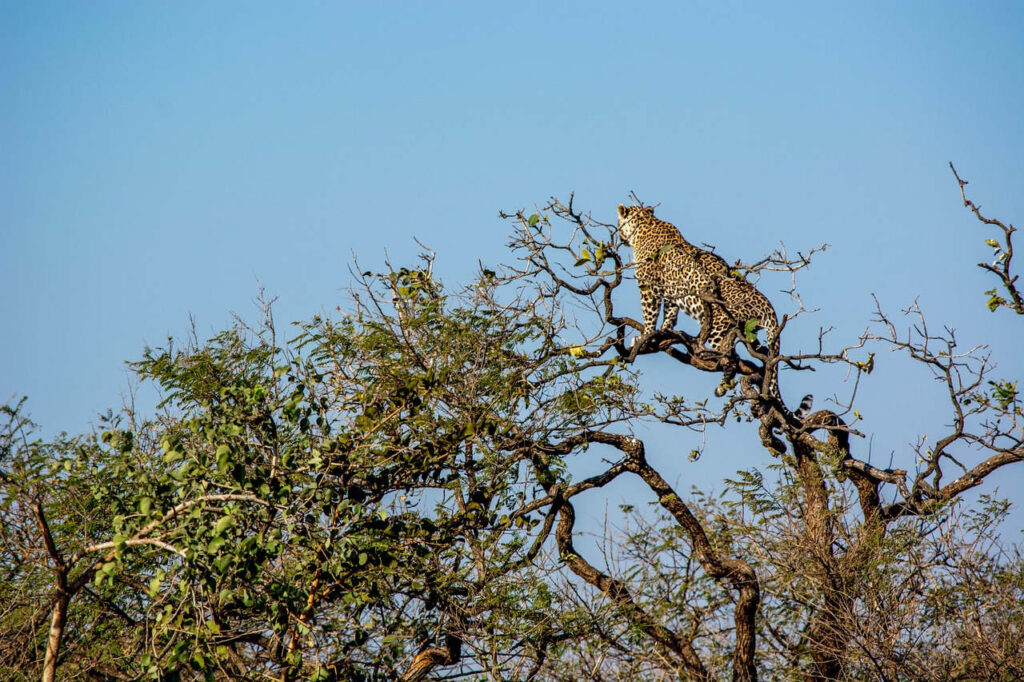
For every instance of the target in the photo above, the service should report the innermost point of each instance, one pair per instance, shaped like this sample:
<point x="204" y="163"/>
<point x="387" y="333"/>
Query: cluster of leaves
<point x="323" y="508"/>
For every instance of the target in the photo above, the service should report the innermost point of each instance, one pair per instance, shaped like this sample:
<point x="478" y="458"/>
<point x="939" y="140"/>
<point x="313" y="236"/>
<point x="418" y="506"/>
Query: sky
<point x="163" y="161"/>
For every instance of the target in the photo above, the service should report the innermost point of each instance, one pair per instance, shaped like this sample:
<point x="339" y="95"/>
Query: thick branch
<point x="58" y="618"/>
<point x="621" y="597"/>
<point x="432" y="657"/>
<point x="739" y="574"/>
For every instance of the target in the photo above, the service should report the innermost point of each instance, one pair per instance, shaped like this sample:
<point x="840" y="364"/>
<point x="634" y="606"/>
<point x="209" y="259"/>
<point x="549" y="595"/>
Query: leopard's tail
<point x="808" y="400"/>
<point x="805" y="407"/>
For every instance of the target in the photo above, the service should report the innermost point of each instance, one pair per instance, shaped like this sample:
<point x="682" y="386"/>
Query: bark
<point x="430" y="658"/>
<point x="59" y="617"/>
<point x="737" y="573"/>
<point x="620" y="595"/>
<point x="824" y="637"/>
<point x="828" y="635"/>
<point x="57" y="622"/>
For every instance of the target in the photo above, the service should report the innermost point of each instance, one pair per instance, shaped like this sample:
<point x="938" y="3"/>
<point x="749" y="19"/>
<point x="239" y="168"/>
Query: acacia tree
<point x="390" y="493"/>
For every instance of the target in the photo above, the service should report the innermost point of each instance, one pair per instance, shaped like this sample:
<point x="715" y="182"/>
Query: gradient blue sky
<point x="160" y="158"/>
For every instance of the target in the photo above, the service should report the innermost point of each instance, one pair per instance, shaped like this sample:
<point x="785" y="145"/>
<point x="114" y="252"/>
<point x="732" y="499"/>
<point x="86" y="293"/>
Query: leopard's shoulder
<point x="649" y="236"/>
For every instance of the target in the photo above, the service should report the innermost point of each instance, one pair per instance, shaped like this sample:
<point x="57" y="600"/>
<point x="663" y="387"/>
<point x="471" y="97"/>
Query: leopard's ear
<point x="622" y="211"/>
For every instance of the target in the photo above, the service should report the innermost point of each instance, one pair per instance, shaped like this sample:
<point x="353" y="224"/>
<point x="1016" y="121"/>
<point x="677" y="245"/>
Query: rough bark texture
<point x="430" y="658"/>
<point x="620" y="595"/>
<point x="58" y="618"/>
<point x="57" y="623"/>
<point x="738" y="574"/>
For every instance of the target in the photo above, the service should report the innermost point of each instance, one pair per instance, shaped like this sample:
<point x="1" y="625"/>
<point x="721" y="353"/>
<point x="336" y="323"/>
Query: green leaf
<point x="223" y="524"/>
<point x="180" y="473"/>
<point x="222" y="455"/>
<point x="1004" y="392"/>
<point x="154" y="587"/>
<point x="750" y="329"/>
<point x="144" y="505"/>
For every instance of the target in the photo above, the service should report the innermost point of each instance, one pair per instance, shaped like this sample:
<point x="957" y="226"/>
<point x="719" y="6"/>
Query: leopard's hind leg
<point x="722" y="336"/>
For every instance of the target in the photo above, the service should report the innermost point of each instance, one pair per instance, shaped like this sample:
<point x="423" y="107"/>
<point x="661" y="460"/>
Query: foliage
<point x="390" y="493"/>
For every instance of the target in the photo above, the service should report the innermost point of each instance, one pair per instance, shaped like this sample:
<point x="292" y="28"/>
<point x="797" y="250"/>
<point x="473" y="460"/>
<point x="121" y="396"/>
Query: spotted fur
<point x="667" y="271"/>
<point x="805" y="407"/>
<point x="674" y="274"/>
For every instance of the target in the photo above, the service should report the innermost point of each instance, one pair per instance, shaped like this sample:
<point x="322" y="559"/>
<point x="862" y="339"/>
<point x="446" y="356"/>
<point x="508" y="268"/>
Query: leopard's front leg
<point x="651" y="294"/>
<point x="650" y="304"/>
<point x="671" y="315"/>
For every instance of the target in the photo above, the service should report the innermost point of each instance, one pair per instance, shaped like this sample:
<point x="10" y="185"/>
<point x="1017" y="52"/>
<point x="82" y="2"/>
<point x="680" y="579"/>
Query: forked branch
<point x="1003" y="252"/>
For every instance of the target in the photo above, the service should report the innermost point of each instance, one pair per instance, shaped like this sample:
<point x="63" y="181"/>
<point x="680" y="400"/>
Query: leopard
<point x="667" y="271"/>
<point x="675" y="275"/>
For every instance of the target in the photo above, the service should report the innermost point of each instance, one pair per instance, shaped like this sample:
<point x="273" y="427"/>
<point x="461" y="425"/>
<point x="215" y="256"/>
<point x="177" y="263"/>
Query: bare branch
<point x="1000" y="267"/>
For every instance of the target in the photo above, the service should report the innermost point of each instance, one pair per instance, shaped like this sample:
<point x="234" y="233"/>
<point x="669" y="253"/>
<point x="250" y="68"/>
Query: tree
<point x="389" y="493"/>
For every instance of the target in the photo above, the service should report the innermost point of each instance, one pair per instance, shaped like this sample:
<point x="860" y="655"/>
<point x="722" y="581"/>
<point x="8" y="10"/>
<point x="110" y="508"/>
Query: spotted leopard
<point x="667" y="271"/>
<point x="676" y="274"/>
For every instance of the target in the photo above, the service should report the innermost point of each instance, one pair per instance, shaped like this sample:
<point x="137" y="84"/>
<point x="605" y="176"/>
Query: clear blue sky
<point x="159" y="158"/>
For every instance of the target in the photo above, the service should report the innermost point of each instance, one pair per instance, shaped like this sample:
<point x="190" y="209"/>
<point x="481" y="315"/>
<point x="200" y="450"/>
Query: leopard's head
<point x="631" y="218"/>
